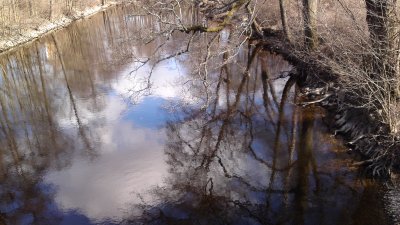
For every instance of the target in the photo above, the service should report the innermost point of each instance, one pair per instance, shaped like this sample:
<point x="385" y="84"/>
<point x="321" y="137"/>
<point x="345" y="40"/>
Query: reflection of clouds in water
<point x="163" y="81"/>
<point x="131" y="159"/>
<point x="131" y="149"/>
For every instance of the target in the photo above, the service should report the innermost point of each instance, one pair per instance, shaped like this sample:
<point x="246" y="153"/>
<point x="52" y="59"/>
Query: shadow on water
<point x="233" y="150"/>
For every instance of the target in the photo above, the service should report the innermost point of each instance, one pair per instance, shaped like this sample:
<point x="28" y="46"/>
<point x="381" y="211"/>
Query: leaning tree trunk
<point x="310" y="23"/>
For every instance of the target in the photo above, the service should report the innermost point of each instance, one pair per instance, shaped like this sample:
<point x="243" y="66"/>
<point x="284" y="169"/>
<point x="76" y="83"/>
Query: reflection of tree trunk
<point x="6" y="124"/>
<point x="30" y="86"/>
<point x="2" y="166"/>
<point x="44" y="90"/>
<point x="220" y="79"/>
<point x="266" y="101"/>
<point x="291" y="145"/>
<point x="45" y="98"/>
<point x="370" y="207"/>
<point x="230" y="111"/>
<point x="228" y="86"/>
<point x="10" y="135"/>
<point x="72" y="99"/>
<point x="304" y="158"/>
<point x="13" y="88"/>
<point x="107" y="28"/>
<point x="33" y="90"/>
<point x="273" y="93"/>
<point x="285" y="94"/>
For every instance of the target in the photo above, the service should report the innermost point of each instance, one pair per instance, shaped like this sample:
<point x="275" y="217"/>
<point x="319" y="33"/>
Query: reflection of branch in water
<point x="248" y="184"/>
<point x="204" y="63"/>
<point x="269" y="165"/>
<point x="231" y="111"/>
<point x="249" y="126"/>
<point x="146" y="85"/>
<point x="232" y="179"/>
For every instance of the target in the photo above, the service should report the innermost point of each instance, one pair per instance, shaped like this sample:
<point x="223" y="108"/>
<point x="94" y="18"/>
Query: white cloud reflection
<point x="164" y="81"/>
<point x="131" y="158"/>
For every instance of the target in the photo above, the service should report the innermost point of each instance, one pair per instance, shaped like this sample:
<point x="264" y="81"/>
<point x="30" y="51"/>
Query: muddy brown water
<point x="83" y="141"/>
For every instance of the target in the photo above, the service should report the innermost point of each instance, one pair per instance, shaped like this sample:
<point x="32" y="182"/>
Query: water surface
<point x="86" y="140"/>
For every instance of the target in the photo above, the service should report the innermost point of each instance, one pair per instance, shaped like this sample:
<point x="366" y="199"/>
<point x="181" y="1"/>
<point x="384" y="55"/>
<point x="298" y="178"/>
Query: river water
<point x="87" y="137"/>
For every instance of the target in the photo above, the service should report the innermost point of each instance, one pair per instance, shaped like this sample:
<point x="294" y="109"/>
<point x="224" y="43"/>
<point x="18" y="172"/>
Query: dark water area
<point x="84" y="138"/>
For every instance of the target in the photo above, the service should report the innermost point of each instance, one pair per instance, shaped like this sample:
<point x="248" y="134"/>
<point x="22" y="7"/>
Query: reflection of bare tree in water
<point x="81" y="129"/>
<point x="22" y="162"/>
<point x="36" y="83"/>
<point x="234" y="154"/>
<point x="248" y="157"/>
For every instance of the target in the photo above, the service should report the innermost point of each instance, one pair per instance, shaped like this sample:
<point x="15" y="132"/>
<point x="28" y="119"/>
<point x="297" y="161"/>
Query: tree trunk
<point x="282" y="7"/>
<point x="30" y="8"/>
<point x="14" y="12"/>
<point x="383" y="30"/>
<point x="310" y="23"/>
<point x="50" y="9"/>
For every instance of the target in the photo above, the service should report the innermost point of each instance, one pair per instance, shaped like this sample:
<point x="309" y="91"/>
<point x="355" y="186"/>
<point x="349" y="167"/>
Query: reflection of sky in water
<point x="147" y="113"/>
<point x="131" y="161"/>
<point x="130" y="158"/>
<point x="128" y="135"/>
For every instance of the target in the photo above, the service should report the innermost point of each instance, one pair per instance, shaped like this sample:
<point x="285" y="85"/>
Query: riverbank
<point x="34" y="31"/>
